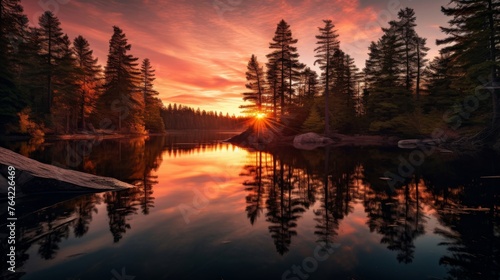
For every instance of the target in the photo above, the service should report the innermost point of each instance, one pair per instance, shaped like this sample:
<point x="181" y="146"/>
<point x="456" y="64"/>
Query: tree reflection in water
<point x="281" y="186"/>
<point x="291" y="183"/>
<point x="47" y="222"/>
<point x="468" y="213"/>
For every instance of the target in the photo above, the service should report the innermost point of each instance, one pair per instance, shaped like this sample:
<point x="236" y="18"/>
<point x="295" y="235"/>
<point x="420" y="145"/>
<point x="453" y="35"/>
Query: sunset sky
<point x="200" y="48"/>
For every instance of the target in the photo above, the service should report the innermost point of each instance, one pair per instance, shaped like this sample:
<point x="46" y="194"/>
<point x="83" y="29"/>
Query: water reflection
<point x="445" y="200"/>
<point x="290" y="183"/>
<point x="469" y="220"/>
<point x="399" y="217"/>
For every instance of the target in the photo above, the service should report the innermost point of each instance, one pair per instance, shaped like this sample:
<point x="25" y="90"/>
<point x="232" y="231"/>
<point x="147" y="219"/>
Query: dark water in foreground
<point x="208" y="210"/>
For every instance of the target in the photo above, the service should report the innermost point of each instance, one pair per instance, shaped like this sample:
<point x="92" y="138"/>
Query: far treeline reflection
<point x="281" y="185"/>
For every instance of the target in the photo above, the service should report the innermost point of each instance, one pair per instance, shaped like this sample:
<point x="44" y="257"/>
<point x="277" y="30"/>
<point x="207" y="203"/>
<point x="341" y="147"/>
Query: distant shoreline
<point x="104" y="135"/>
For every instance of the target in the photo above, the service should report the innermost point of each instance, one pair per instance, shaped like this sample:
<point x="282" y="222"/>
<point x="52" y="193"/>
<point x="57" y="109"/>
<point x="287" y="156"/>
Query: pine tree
<point x="284" y="58"/>
<point x="393" y="60"/>
<point x="13" y="27"/>
<point x="313" y="123"/>
<point x="51" y="39"/>
<point x="65" y="88"/>
<point x="373" y="65"/>
<point x="308" y="88"/>
<point x="87" y="76"/>
<point x="421" y="61"/>
<point x="353" y="78"/>
<point x="338" y="73"/>
<point x="439" y="84"/>
<point x="406" y="29"/>
<point x="272" y="78"/>
<point x="255" y="83"/>
<point x="343" y="91"/>
<point x="413" y="49"/>
<point x="153" y="105"/>
<point x="147" y="79"/>
<point x="328" y="44"/>
<point x="311" y="83"/>
<point x="388" y="101"/>
<point x="294" y="70"/>
<point x="121" y="101"/>
<point x="472" y="45"/>
<point x="34" y="75"/>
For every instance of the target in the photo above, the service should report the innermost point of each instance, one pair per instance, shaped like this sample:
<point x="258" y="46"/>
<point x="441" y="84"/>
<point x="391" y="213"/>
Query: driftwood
<point x="32" y="176"/>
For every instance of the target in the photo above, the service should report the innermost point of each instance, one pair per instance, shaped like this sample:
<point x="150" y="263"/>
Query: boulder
<point x="32" y="176"/>
<point x="310" y="141"/>
<point x="415" y="143"/>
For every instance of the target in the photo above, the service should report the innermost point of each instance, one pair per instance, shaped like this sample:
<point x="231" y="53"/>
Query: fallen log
<point x="33" y="177"/>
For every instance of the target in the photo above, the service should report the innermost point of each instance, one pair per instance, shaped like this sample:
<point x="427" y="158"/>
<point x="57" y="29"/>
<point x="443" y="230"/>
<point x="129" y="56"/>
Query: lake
<point x="203" y="209"/>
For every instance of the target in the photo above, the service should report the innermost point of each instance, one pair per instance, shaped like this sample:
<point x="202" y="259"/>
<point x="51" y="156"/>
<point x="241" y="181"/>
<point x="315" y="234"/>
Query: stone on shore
<point x="310" y="141"/>
<point x="33" y="177"/>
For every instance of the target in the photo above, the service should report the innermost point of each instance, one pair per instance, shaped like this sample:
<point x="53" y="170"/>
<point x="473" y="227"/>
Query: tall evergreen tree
<point x="421" y="61"/>
<point x="473" y="47"/>
<point x="327" y="45"/>
<point x="294" y="70"/>
<point x="284" y="57"/>
<point x="88" y="77"/>
<point x="392" y="70"/>
<point x="147" y="79"/>
<point x="338" y="73"/>
<point x="153" y="105"/>
<point x="406" y="29"/>
<point x="121" y="100"/>
<point x="52" y="46"/>
<point x="255" y="83"/>
<point x="33" y="80"/>
<point x="388" y="101"/>
<point x="273" y="86"/>
<point x="353" y="76"/>
<point x="65" y="88"/>
<point x="13" y="27"/>
<point x="439" y="84"/>
<point x="373" y="65"/>
<point x="343" y="91"/>
<point x="413" y="49"/>
<point x="309" y="85"/>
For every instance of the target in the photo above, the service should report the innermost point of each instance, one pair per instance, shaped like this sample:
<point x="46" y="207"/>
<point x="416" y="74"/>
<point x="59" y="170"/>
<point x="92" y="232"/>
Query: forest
<point x="51" y="84"/>
<point x="184" y="117"/>
<point x="400" y="91"/>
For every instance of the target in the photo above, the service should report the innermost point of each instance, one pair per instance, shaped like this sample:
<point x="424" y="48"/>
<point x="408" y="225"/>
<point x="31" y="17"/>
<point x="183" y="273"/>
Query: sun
<point x="260" y="116"/>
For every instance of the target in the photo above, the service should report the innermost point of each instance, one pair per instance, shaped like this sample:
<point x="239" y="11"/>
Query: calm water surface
<point x="209" y="210"/>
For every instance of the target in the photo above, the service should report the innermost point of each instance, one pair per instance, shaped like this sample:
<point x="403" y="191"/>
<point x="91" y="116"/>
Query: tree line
<point x="399" y="91"/>
<point x="184" y="117"/>
<point x="51" y="84"/>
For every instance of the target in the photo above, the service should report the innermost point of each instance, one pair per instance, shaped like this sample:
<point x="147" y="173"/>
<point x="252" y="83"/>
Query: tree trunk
<point x="282" y="85"/>
<point x="49" y="74"/>
<point x="274" y="101"/>
<point x="417" y="86"/>
<point x="67" y="122"/>
<point x="327" y="81"/>
<point x="495" y="123"/>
